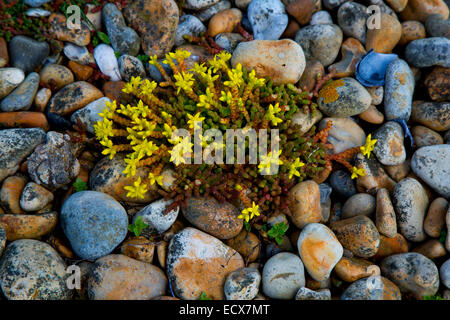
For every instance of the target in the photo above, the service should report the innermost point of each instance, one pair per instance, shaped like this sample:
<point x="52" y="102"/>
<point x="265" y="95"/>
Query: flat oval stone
<point x="26" y="53"/>
<point x="10" y="78"/>
<point x="80" y="36"/>
<point x="216" y="218"/>
<point x="33" y="270"/>
<point x="438" y="84"/>
<point x="390" y="246"/>
<point x="385" y="218"/>
<point x="283" y="60"/>
<point x="410" y="202"/>
<point x="375" y="178"/>
<point x="390" y="149"/>
<point x="35" y="197"/>
<point x="308" y="294"/>
<point x="359" y="204"/>
<point x="344" y="134"/>
<point x="107" y="61"/>
<point x="343" y="98"/>
<point x="56" y="75"/>
<point x="372" y="288"/>
<point x="28" y="226"/>
<point x="155" y="217"/>
<point x="424" y="137"/>
<point x="304" y="203"/>
<point x="247" y="244"/>
<point x="223" y="21"/>
<point x="435" y="220"/>
<point x="385" y="38"/>
<point x="22" y="97"/>
<point x="445" y="273"/>
<point x="433" y="115"/>
<point x="422" y="9"/>
<point x="130" y="66"/>
<point x="353" y="269"/>
<point x="89" y="114"/>
<point x="431" y="164"/>
<point x="78" y="54"/>
<point x="268" y="19"/>
<point x="198" y="262"/>
<point x="242" y="284"/>
<point x="429" y="52"/>
<point x="352" y="18"/>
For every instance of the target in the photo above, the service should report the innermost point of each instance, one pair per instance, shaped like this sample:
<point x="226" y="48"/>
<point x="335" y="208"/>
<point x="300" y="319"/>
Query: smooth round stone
<point x="228" y="41"/>
<point x="247" y="244"/>
<point x="375" y="178"/>
<point x="342" y="183"/>
<point x="343" y="98"/>
<point x="423" y="137"/>
<point x="445" y="273"/>
<point x="123" y="39"/>
<point x="372" y="115"/>
<point x="359" y="204"/>
<point x="333" y="4"/>
<point x="216" y="218"/>
<point x="73" y="97"/>
<point x="372" y="288"/>
<point x="188" y="25"/>
<point x="437" y="83"/>
<point x="433" y="115"/>
<point x="385" y="218"/>
<point x="412" y="30"/>
<point x="10" y="78"/>
<point x="78" y="54"/>
<point x="242" y="284"/>
<point x="304" y="203"/>
<point x="399" y="90"/>
<point x="130" y="66"/>
<point x="282" y="276"/>
<point x="432" y="166"/>
<point x="319" y="250"/>
<point x="15" y="146"/>
<point x="89" y="114"/>
<point x="80" y="35"/>
<point x="321" y="17"/>
<point x="198" y="262"/>
<point x="28" y="226"/>
<point x="206" y="14"/>
<point x="421" y="9"/>
<point x="321" y="41"/>
<point x="358" y="234"/>
<point x="437" y="26"/>
<point x="198" y="4"/>
<point x="390" y="149"/>
<point x="94" y="223"/>
<point x="33" y="270"/>
<point x="435" y="220"/>
<point x="10" y="193"/>
<point x="412" y="273"/>
<point x="80" y="71"/>
<point x="308" y="294"/>
<point x="22" y="97"/>
<point x="352" y="18"/>
<point x="224" y="21"/>
<point x="107" y="61"/>
<point x="118" y="277"/>
<point x="56" y="75"/>
<point x="138" y="248"/>
<point x="410" y="203"/>
<point x="384" y="39"/>
<point x="432" y="249"/>
<point x="429" y="52"/>
<point x="35" y="197"/>
<point x="390" y="246"/>
<point x="26" y="53"/>
<point x="344" y="134"/>
<point x="155" y="217"/>
<point x="305" y="120"/>
<point x="268" y="19"/>
<point x="352" y="269"/>
<point x="281" y="60"/>
<point x="301" y="10"/>
<point x="397" y="5"/>
<point x="36" y="3"/>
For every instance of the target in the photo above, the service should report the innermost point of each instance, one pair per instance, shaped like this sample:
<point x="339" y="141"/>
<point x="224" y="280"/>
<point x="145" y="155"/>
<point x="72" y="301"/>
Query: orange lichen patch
<point x="329" y="92"/>
<point x="390" y="246"/>
<point x="352" y="269"/>
<point x="400" y="77"/>
<point x="315" y="253"/>
<point x="390" y="290"/>
<point x="27" y="226"/>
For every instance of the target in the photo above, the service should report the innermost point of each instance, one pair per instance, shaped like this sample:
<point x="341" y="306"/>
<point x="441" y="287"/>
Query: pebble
<point x="429" y="52"/>
<point x="156" y="21"/>
<point x="390" y="149"/>
<point x="188" y="25"/>
<point x="78" y="54"/>
<point x="433" y="115"/>
<point x="397" y="5"/>
<point x="438" y="83"/>
<point x="447" y="240"/>
<point x="321" y="17"/>
<point x="206" y="14"/>
<point x="282" y="60"/>
<point x="400" y="171"/>
<point x="372" y="115"/>
<point x="54" y="164"/>
<point x="123" y="39"/>
<point x="42" y="98"/>
<point x="353" y="269"/>
<point x="333" y="4"/>
<point x="412" y="30"/>
<point x="308" y="294"/>
<point x="26" y="53"/>
<point x="344" y="134"/>
<point x="319" y="250"/>
<point x="399" y="90"/>
<point x="375" y="178"/>
<point x="80" y="36"/>
<point x="359" y="204"/>
<point x="268" y="19"/>
<point x="89" y="114"/>
<point x="73" y="97"/>
<point x="385" y="218"/>
<point x="22" y="97"/>
<point x="421" y="9"/>
<point x="10" y="192"/>
<point x="282" y="276"/>
<point x="28" y="226"/>
<point x="129" y="67"/>
<point x="445" y="273"/>
<point x="81" y="72"/>
<point x="228" y="41"/>
<point x="247" y="244"/>
<point x="4" y="56"/>
<point x="371" y="288"/>
<point x="432" y="166"/>
<point x="432" y="249"/>
<point x="242" y="284"/>
<point x="301" y="10"/>
<point x="308" y="79"/>
<point x="35" y="197"/>
<point x="33" y="270"/>
<point x="10" y="78"/>
<point x="56" y="75"/>
<point x="321" y="41"/>
<point x="342" y="183"/>
<point x="118" y="277"/>
<point x="94" y="223"/>
<point x="155" y="217"/>
<point x="424" y="137"/>
<point x="352" y="18"/>
<point x="435" y="219"/>
<point x="107" y="61"/>
<point x="198" y="4"/>
<point x="305" y="120"/>
<point x="343" y="98"/>
<point x="412" y="273"/>
<point x="437" y="26"/>
<point x="15" y="146"/>
<point x="198" y="262"/>
<point x="304" y="203"/>
<point x="410" y="203"/>
<point x="36" y="3"/>
<point x="223" y="21"/>
<point x="2" y="241"/>
<point x="352" y="50"/>
<point x="385" y="39"/>
<point x="139" y="248"/>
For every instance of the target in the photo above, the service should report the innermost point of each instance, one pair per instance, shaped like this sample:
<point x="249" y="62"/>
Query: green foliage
<point x="277" y="232"/>
<point x="80" y="185"/>
<point x="247" y="226"/>
<point x="103" y="37"/>
<point x="138" y="226"/>
<point x="144" y="58"/>
<point x="435" y="297"/>
<point x="204" y="296"/>
<point x="443" y="236"/>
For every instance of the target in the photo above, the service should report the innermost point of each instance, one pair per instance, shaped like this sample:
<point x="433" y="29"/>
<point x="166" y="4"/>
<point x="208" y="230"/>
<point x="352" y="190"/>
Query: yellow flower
<point x="358" y="172"/>
<point x="153" y="60"/>
<point x="184" y="81"/>
<point x="369" y="146"/>
<point x="193" y="119"/>
<point x="132" y="86"/>
<point x="132" y="163"/>
<point x="270" y="115"/>
<point x="235" y="77"/>
<point x="147" y="88"/>
<point x="103" y="129"/>
<point x="157" y="179"/>
<point x="268" y="161"/>
<point x="109" y="148"/>
<point x="249" y="213"/>
<point x="178" y="151"/>
<point x="293" y="168"/>
<point x="145" y="148"/>
<point x="136" y="190"/>
<point x="108" y="112"/>
<point x="226" y="97"/>
<point x="200" y="69"/>
<point x="254" y="81"/>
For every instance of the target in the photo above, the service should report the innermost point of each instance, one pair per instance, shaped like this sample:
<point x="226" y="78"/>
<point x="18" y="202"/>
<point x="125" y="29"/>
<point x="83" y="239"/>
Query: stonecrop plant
<point x="219" y="97"/>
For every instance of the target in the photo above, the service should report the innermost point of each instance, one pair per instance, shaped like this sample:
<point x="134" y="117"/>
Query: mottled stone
<point x="10" y="78"/>
<point x="344" y="134"/>
<point x="228" y="41"/>
<point x="156" y="217"/>
<point x="353" y="269"/>
<point x="435" y="219"/>
<point x="421" y="9"/>
<point x="242" y="284"/>
<point x="429" y="52"/>
<point x="424" y="137"/>
<point x="433" y="115"/>
<point x="130" y="66"/>
<point x="384" y="39"/>
<point x="10" y="192"/>
<point x="385" y="218"/>
<point x="26" y="53"/>
<point x="78" y="54"/>
<point x="268" y="19"/>
<point x="438" y="84"/>
<point x="207" y="13"/>
<point x="22" y="97"/>
<point x="359" y="204"/>
<point x="24" y="226"/>
<point x="352" y="50"/>
<point x="55" y="75"/>
<point x="308" y="79"/>
<point x="352" y="18"/>
<point x="80" y="36"/>
<point x="304" y="203"/>
<point x="390" y="149"/>
<point x="139" y="248"/>
<point x="35" y="197"/>
<point x="372" y="288"/>
<point x="247" y="244"/>
<point x="390" y="246"/>
<point x="432" y="249"/>
<point x="342" y="183"/>
<point x="89" y="115"/>
<point x="308" y="294"/>
<point x="375" y="177"/>
<point x="188" y="25"/>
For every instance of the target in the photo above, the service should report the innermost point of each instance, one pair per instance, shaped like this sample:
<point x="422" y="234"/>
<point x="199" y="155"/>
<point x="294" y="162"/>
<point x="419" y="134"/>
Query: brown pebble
<point x="352" y="50"/>
<point x="412" y="30"/>
<point x="224" y="21"/>
<point x="4" y="57"/>
<point x="435" y="219"/>
<point x="81" y="72"/>
<point x="247" y="244"/>
<point x="352" y="269"/>
<point x="390" y="246"/>
<point x="301" y="10"/>
<point x="308" y="79"/>
<point x="10" y="194"/>
<point x="400" y="171"/>
<point x="139" y="248"/>
<point x="438" y="84"/>
<point x="385" y="219"/>
<point x="23" y="119"/>
<point x="424" y="136"/>
<point x="385" y="39"/>
<point x="42" y="98"/>
<point x="291" y="30"/>
<point x="421" y="9"/>
<point x="372" y="115"/>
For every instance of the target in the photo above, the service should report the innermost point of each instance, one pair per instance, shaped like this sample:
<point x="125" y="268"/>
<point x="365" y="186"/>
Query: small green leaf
<point x="79" y="185"/>
<point x="203" y="296"/>
<point x="95" y="41"/>
<point x="117" y="54"/>
<point x="277" y="232"/>
<point x="435" y="297"/>
<point x="103" y="37"/>
<point x="247" y="226"/>
<point x="137" y="226"/>
<point x="443" y="236"/>
<point x="143" y="57"/>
